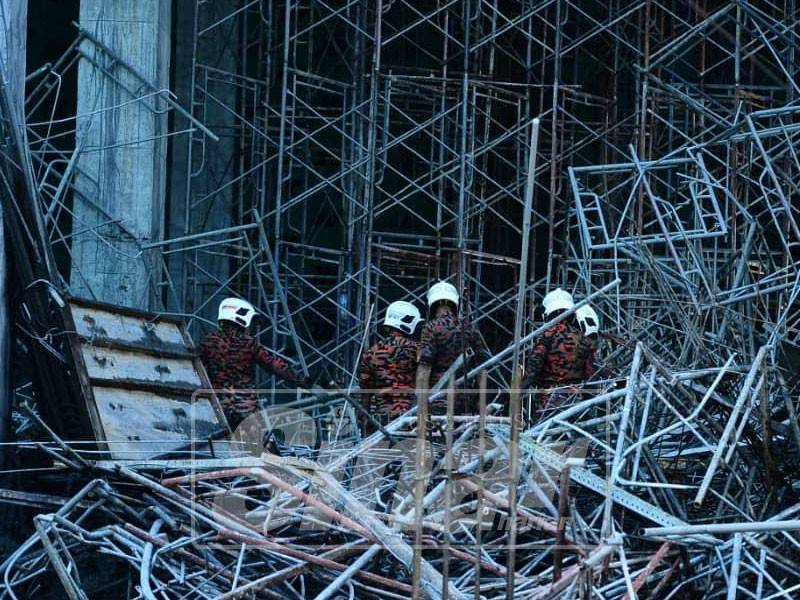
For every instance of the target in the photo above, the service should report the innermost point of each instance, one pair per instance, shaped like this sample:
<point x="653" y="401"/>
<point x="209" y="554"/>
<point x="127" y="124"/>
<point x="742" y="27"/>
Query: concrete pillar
<point x="13" y="38"/>
<point x="123" y="151"/>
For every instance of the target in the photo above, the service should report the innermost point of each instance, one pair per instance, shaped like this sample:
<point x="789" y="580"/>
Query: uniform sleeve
<point x="427" y="346"/>
<point x="536" y="359"/>
<point x="411" y="354"/>
<point x="206" y="351"/>
<point x="365" y="372"/>
<point x="481" y="355"/>
<point x="589" y="367"/>
<point x="277" y="366"/>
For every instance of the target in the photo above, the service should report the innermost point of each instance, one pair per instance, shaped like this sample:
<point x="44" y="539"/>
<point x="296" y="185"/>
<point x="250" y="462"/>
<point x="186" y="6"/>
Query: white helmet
<point x="237" y="311"/>
<point x="558" y="299"/>
<point x="588" y="320"/>
<point x="403" y="316"/>
<point x="442" y="291"/>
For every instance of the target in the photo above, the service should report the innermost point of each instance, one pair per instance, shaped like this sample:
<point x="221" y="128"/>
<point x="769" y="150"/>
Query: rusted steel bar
<point x="563" y="513"/>
<point x="313" y="559"/>
<point x="651" y="566"/>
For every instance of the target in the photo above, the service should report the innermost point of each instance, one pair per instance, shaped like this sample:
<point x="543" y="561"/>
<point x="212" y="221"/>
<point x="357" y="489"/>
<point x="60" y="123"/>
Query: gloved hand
<point x="330" y="385"/>
<point x="323" y="383"/>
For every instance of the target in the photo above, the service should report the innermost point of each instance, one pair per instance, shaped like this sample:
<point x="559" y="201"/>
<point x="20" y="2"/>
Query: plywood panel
<point x="119" y="365"/>
<point x="141" y="424"/>
<point x="102" y="326"/>
<point x="138" y="373"/>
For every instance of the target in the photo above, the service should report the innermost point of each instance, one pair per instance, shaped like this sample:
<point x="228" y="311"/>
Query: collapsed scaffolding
<point x="329" y="159"/>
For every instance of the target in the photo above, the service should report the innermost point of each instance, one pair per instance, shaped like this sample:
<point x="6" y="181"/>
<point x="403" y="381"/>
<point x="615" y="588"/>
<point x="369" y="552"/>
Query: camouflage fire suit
<point x="562" y="356"/>
<point x="230" y="356"/>
<point x="443" y="340"/>
<point x="387" y="371"/>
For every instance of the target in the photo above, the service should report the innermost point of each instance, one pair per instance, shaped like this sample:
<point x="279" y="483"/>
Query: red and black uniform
<point x="230" y="356"/>
<point x="443" y="340"/>
<point x="562" y="356"/>
<point x="387" y="372"/>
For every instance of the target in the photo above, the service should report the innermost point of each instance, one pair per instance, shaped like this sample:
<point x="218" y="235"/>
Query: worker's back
<point x="229" y="356"/>
<point x="444" y="339"/>
<point x="562" y="355"/>
<point x="387" y="370"/>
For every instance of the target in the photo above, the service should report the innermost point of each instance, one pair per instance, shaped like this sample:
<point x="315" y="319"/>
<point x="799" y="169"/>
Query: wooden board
<point x="103" y="326"/>
<point x="139" y="375"/>
<point x="142" y="424"/>
<point x="128" y="368"/>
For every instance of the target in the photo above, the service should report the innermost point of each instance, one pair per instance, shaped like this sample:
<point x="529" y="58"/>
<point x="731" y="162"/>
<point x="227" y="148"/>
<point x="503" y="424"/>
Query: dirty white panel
<point x="141" y="424"/>
<point x="112" y="364"/>
<point x="100" y="325"/>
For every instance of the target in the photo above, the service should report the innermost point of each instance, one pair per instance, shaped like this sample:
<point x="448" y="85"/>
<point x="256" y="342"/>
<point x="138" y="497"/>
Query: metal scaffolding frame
<point x="328" y="158"/>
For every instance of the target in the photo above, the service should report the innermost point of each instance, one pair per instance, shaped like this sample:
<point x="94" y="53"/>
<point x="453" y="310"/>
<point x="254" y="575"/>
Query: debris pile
<point x="672" y="474"/>
<point x="667" y="485"/>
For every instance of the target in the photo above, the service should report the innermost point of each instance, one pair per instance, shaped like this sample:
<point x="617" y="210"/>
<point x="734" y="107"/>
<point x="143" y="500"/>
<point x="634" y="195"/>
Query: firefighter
<point x="563" y="355"/>
<point x="444" y="338"/>
<point x="588" y="321"/>
<point x="387" y="368"/>
<point x="230" y="356"/>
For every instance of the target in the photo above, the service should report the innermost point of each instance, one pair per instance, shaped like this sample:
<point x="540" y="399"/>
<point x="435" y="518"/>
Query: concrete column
<point x="13" y="38"/>
<point x="122" y="149"/>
